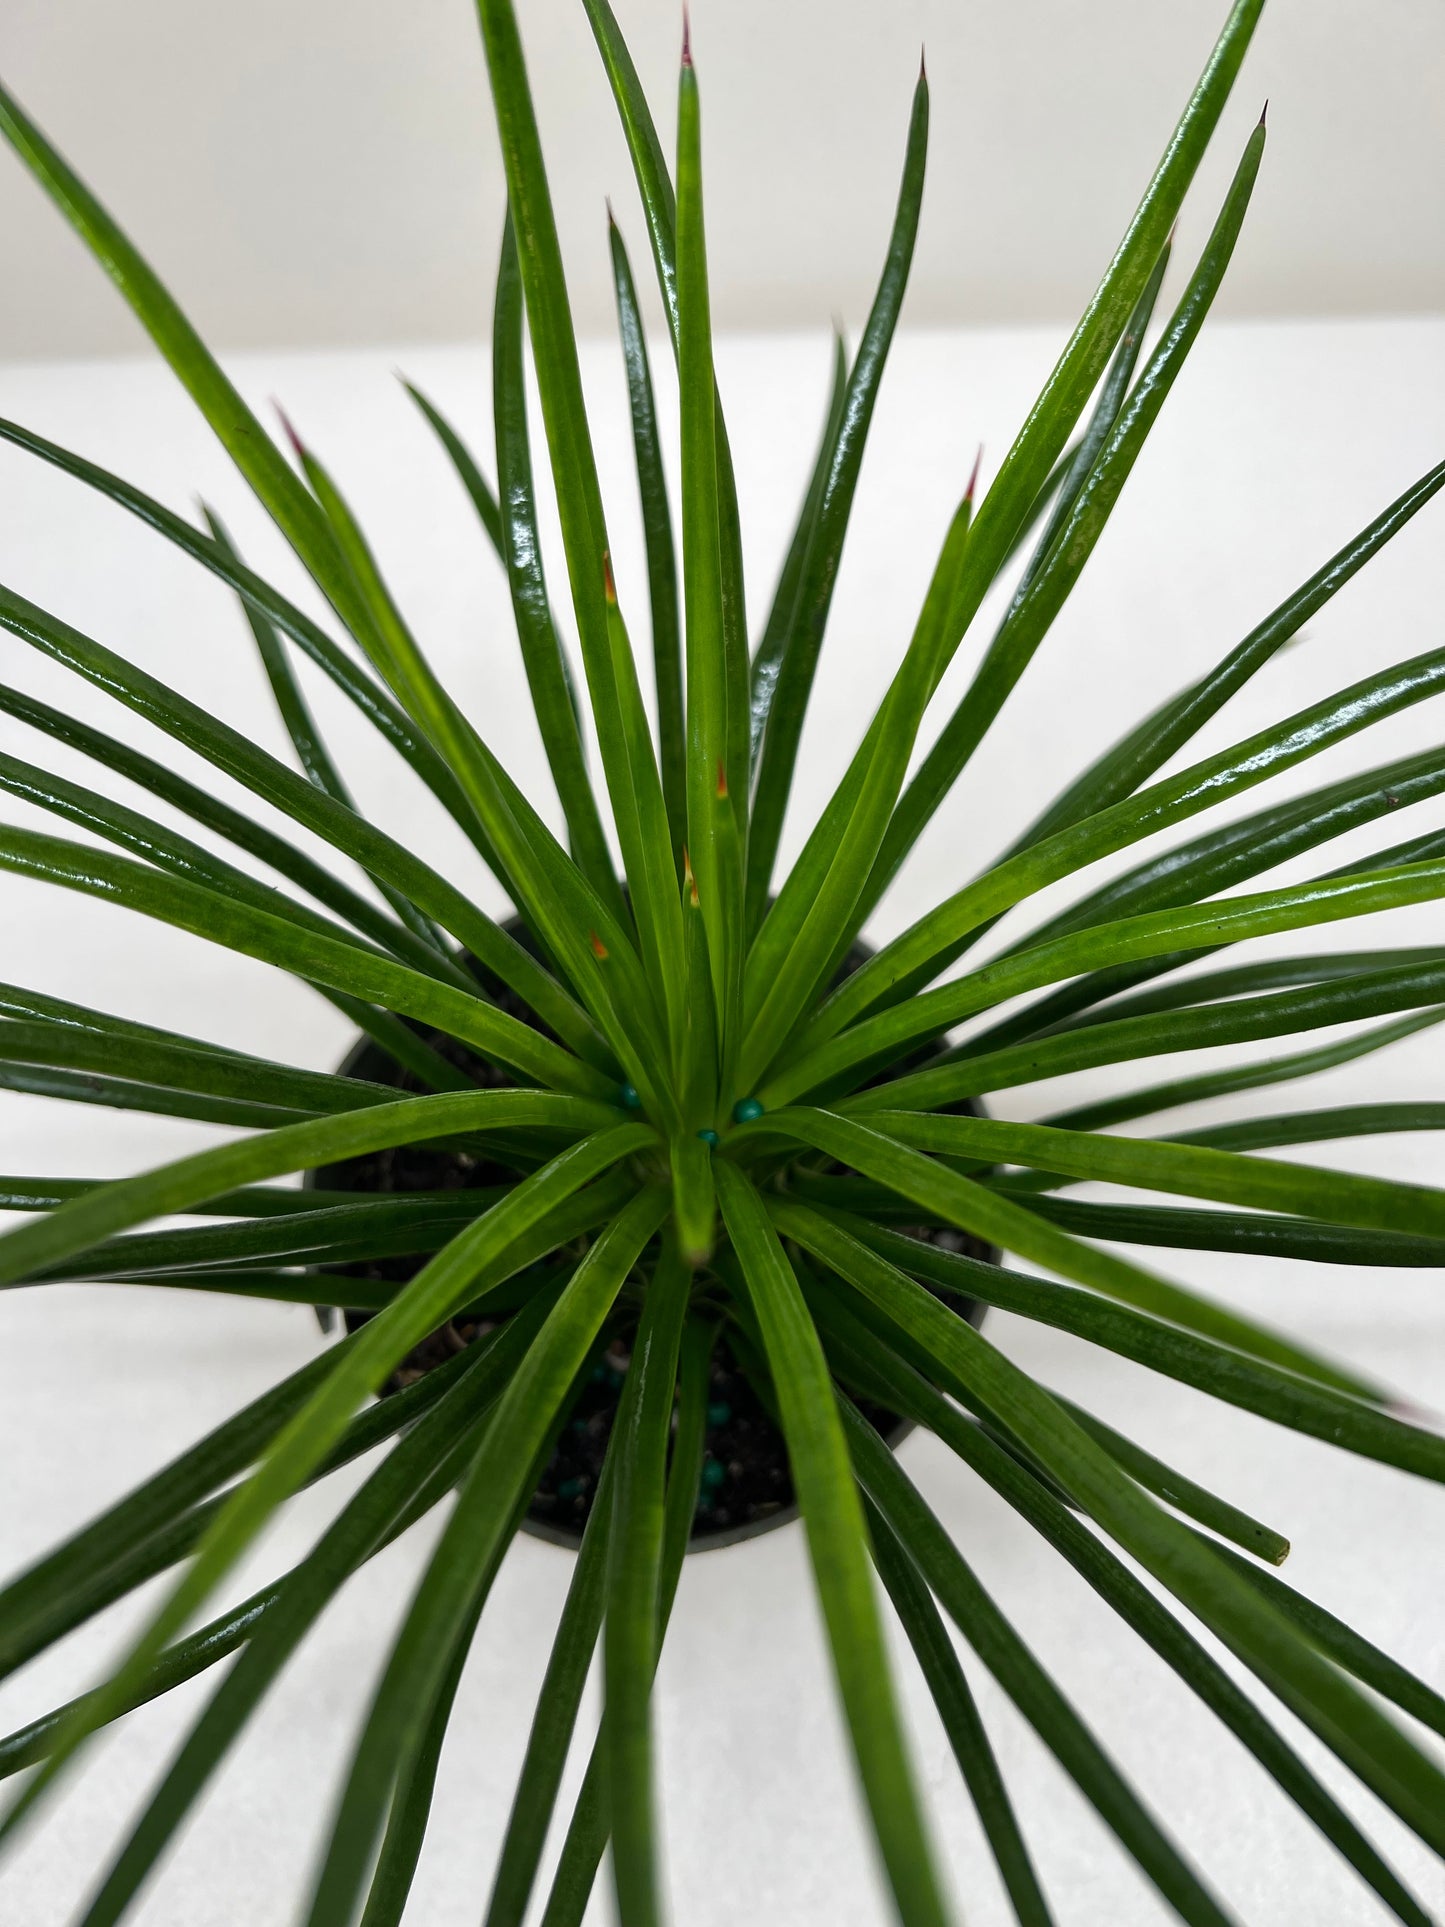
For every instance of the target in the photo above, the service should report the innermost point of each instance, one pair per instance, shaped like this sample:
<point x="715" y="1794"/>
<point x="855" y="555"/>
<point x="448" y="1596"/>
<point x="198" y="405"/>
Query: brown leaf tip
<point x="1263" y="112"/>
<point x="689" y="881"/>
<point x="686" y="39"/>
<point x="722" y="782"/>
<point x="609" y="586"/>
<point x="923" y="66"/>
<point x="599" y="948"/>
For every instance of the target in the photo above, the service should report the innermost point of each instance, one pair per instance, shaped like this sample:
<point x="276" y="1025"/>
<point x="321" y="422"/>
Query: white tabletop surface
<point x="1279" y="443"/>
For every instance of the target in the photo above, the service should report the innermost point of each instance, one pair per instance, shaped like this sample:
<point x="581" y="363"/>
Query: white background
<point x="1280" y="442"/>
<point x="323" y="171"/>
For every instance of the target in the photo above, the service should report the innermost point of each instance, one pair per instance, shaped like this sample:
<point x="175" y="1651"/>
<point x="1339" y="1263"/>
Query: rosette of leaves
<point x="710" y="1135"/>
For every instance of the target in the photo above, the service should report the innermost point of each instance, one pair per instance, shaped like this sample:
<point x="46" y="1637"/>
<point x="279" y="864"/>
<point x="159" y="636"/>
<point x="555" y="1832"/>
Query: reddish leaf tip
<point x="686" y="39"/>
<point x="722" y="782"/>
<point x="923" y="65"/>
<point x="974" y="474"/>
<point x="609" y="586"/>
<point x="599" y="948"/>
<point x="297" y="446"/>
<point x="1262" y="113"/>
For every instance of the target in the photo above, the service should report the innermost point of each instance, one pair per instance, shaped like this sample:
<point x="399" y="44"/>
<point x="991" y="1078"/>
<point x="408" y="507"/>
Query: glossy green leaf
<point x="1369" y="993"/>
<point x="1143" y="1612"/>
<point x="799" y="651"/>
<point x="481" y="496"/>
<point x="879" y="1151"/>
<point x="1202" y="1581"/>
<point x="369" y="697"/>
<point x="837" y="1542"/>
<point x="318" y="959"/>
<point x="552" y="701"/>
<point x="1216" y="1370"/>
<point x="783" y="610"/>
<point x="661" y="548"/>
<point x="454" y="1276"/>
<point x="634" y="1576"/>
<point x="947" y="1684"/>
<point x="460" y="1571"/>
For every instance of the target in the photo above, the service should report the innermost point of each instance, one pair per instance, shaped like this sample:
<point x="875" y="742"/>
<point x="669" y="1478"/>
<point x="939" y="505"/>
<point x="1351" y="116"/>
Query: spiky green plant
<point x="710" y="1137"/>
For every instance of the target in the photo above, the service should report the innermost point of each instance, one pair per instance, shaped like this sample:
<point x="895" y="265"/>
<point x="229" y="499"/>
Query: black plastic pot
<point x="746" y="1488"/>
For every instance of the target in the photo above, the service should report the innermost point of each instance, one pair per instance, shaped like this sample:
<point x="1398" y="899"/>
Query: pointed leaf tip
<point x="599" y="948"/>
<point x="297" y="446"/>
<point x="609" y="586"/>
<point x="686" y="39"/>
<point x="722" y="781"/>
<point x="923" y="66"/>
<point x="974" y="475"/>
<point x="1262" y="114"/>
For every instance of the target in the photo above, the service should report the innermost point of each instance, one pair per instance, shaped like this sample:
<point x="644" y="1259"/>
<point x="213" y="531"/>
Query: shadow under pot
<point x="746" y="1486"/>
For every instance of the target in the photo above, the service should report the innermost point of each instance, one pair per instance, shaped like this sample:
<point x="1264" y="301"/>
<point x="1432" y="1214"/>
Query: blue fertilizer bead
<point x="713" y="1475"/>
<point x="746" y="1109"/>
<point x="709" y="1138"/>
<point x="570" y="1488"/>
<point x="630" y="1099"/>
<point x="719" y="1414"/>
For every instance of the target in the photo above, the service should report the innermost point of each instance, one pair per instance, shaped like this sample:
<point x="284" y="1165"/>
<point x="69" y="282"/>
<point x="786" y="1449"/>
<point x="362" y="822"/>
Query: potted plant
<point x="656" y="1208"/>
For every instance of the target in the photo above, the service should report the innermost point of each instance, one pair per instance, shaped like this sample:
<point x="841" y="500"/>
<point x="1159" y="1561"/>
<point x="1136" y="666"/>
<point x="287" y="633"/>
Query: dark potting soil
<point x="746" y="1481"/>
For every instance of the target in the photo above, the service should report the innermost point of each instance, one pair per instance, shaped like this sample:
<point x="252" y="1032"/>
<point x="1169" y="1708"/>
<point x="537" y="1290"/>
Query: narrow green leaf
<point x="319" y="959"/>
<point x="947" y="1683"/>
<point x="631" y="1643"/>
<point x="999" y="1221"/>
<point x="837" y="1542"/>
<point x="798" y="655"/>
<point x="370" y="698"/>
<point x="1350" y="1649"/>
<point x="454" y="1276"/>
<point x="489" y="512"/>
<point x="783" y="611"/>
<point x="1194" y="1501"/>
<point x="1150" y="744"/>
<point x="116" y="1206"/>
<point x="1079" y="368"/>
<point x="661" y="549"/>
<point x="1138" y="1607"/>
<point x="1193" y="1571"/>
<point x="1262" y="1234"/>
<point x="460" y="1571"/>
<point x="1154" y="1164"/>
<point x="808" y="931"/>
<point x="928" y="945"/>
<point x="561" y="908"/>
<point x="417" y="1473"/>
<point x="929" y="1014"/>
<point x="229" y="750"/>
<point x="238" y="430"/>
<point x="1023" y="1679"/>
<point x="710" y="780"/>
<point x="300" y="724"/>
<point x="1215" y="1370"/>
<point x="1242" y="1077"/>
<point x="542" y="655"/>
<point x="1371" y="993"/>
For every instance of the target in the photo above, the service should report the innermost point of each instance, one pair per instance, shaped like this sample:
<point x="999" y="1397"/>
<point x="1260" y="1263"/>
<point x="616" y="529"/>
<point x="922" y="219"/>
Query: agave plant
<point x="699" y="1124"/>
